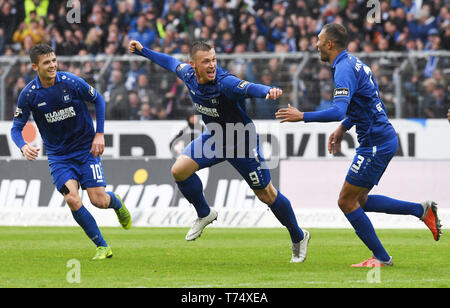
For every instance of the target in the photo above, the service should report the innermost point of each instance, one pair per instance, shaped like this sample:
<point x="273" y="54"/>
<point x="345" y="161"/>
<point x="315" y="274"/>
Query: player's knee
<point x="347" y="205"/>
<point x="342" y="203"/>
<point x="99" y="201"/>
<point x="266" y="196"/>
<point x="176" y="173"/>
<point x="73" y="201"/>
<point x="179" y="173"/>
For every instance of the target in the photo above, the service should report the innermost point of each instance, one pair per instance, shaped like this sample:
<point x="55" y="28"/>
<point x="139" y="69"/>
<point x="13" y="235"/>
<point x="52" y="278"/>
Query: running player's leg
<point x="104" y="200"/>
<point x="92" y="178"/>
<point x="81" y="214"/>
<point x="190" y="185"/>
<point x="255" y="172"/>
<point x="183" y="171"/>
<point x="65" y="178"/>
<point x="349" y="204"/>
<point x="282" y="209"/>
<point x="372" y="168"/>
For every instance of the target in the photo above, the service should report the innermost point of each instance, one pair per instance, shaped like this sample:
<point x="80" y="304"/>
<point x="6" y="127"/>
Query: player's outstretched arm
<point x="335" y="113"/>
<point x="237" y="88"/>
<point x="163" y="60"/>
<point x="289" y="114"/>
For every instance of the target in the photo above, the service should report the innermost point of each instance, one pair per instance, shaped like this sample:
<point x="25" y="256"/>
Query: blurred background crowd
<point x="141" y="90"/>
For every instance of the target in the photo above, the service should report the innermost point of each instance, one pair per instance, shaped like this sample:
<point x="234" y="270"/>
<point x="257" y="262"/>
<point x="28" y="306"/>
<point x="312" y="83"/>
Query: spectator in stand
<point x="142" y="32"/>
<point x="143" y="88"/>
<point x="436" y="101"/>
<point x="145" y="112"/>
<point x="2" y="40"/>
<point x="9" y="20"/>
<point x="420" y="25"/>
<point x="35" y="8"/>
<point x="36" y="32"/>
<point x="434" y="43"/>
<point x="117" y="106"/>
<point x="134" y="105"/>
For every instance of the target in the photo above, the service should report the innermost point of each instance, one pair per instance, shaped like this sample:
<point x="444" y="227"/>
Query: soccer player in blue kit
<point x="220" y="98"/>
<point x="356" y="95"/>
<point x="56" y="100"/>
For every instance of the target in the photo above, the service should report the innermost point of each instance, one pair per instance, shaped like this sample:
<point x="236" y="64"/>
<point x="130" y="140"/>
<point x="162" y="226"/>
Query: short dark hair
<point x="38" y="50"/>
<point x="199" y="46"/>
<point x="336" y="33"/>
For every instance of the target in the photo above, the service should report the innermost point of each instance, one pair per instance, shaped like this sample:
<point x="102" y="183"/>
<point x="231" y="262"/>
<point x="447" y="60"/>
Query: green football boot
<point x="124" y="215"/>
<point x="102" y="253"/>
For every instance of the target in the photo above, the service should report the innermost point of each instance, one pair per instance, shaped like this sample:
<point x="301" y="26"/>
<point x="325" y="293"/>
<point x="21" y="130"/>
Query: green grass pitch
<point x="220" y="258"/>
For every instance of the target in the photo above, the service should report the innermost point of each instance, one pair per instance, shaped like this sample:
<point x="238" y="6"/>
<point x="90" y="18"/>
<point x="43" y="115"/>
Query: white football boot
<point x="200" y="224"/>
<point x="299" y="250"/>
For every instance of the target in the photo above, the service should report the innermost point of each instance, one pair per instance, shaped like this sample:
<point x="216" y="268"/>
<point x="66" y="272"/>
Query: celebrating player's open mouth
<point x="211" y="74"/>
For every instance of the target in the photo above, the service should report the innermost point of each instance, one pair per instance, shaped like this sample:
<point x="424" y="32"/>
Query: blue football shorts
<point x="370" y="163"/>
<point x="251" y="165"/>
<point x="84" y="168"/>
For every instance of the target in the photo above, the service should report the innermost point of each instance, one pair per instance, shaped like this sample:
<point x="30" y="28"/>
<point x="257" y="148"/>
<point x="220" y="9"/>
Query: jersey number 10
<point x="96" y="172"/>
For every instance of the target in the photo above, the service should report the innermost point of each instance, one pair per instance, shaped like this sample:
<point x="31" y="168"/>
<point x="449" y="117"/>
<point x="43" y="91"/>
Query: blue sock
<point x="282" y="210"/>
<point x="192" y="190"/>
<point x="115" y="202"/>
<point x="87" y="222"/>
<point x="382" y="204"/>
<point x="365" y="231"/>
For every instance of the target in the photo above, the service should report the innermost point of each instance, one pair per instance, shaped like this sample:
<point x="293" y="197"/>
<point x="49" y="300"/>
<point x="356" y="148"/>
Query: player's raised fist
<point x="134" y="45"/>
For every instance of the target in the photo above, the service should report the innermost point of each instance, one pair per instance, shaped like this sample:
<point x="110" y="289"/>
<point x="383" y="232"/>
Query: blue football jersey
<point x="60" y="113"/>
<point x="355" y="84"/>
<point x="220" y="101"/>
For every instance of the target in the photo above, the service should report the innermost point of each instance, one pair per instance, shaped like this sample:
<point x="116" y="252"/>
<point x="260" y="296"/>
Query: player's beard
<point x="324" y="57"/>
<point x="203" y="77"/>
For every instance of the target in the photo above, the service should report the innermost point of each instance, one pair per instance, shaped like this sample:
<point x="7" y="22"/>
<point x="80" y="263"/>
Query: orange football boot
<point x="374" y="262"/>
<point x="431" y="219"/>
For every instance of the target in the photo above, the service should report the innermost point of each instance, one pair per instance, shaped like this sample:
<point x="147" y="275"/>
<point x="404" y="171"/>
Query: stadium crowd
<point x="140" y="90"/>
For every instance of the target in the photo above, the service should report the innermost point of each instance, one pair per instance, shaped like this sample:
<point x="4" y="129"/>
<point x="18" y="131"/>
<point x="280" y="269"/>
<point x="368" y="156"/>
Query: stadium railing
<point x="306" y="81"/>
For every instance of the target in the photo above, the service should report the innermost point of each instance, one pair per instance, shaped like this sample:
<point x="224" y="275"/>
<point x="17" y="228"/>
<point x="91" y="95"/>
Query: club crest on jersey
<point x="67" y="98"/>
<point x="341" y="92"/>
<point x="214" y="101"/>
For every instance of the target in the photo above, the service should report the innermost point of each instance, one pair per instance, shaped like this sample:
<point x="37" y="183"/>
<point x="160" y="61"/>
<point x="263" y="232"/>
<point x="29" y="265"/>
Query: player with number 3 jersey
<point x="356" y="98"/>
